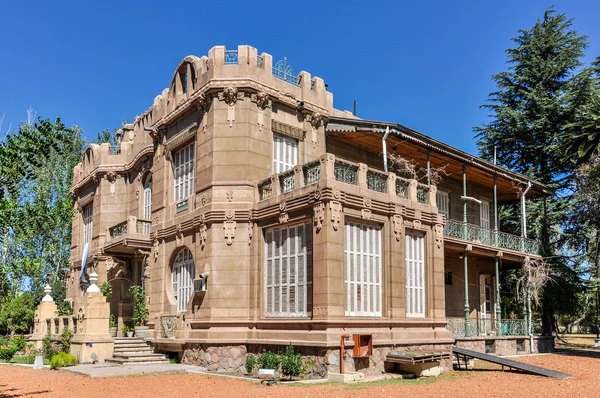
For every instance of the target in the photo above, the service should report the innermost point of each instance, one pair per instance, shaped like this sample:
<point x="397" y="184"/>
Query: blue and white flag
<point x="86" y="249"/>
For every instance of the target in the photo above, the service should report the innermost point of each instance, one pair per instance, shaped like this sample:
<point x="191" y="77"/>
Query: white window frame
<point x="182" y="278"/>
<point x="147" y="203"/>
<point x="363" y="269"/>
<point x="88" y="222"/>
<point x="183" y="172"/>
<point x="288" y="271"/>
<point x="443" y="203"/>
<point x="285" y="153"/>
<point x="415" y="275"/>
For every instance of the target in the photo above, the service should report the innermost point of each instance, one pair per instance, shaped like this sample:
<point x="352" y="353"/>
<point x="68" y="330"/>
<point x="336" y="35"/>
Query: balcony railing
<point x="487" y="327"/>
<point x="231" y="57"/>
<point x="376" y="181"/>
<point x="312" y="172"/>
<point x="131" y="226"/>
<point x="402" y="187"/>
<point x="422" y="193"/>
<point x="476" y="234"/>
<point x="286" y="181"/>
<point x="114" y="150"/>
<point x="346" y="172"/>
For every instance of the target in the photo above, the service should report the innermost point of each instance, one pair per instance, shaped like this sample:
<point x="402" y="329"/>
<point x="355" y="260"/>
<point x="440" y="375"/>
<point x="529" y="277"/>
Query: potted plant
<point x="112" y="326"/>
<point x="127" y="330"/>
<point x="140" y="311"/>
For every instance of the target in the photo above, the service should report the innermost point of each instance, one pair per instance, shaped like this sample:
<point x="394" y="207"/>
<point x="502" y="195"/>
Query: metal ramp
<point x="509" y="363"/>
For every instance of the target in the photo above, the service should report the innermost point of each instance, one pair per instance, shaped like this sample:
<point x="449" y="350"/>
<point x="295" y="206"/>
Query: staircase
<point x="134" y="351"/>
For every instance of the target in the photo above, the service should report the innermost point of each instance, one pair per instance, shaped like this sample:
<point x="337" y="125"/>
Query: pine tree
<point x="542" y="91"/>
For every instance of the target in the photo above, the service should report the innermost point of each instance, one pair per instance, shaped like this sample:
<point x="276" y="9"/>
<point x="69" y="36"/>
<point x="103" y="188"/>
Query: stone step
<point x="134" y="349"/>
<point x="139" y="355"/>
<point x="124" y="340"/>
<point x="137" y="361"/>
<point x="131" y="346"/>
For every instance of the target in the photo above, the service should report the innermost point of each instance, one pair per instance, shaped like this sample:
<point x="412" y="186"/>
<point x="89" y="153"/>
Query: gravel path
<point x="485" y="381"/>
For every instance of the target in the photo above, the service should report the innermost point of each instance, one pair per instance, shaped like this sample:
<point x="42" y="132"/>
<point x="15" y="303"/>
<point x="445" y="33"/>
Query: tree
<point x="17" y="314"/>
<point x="543" y="90"/>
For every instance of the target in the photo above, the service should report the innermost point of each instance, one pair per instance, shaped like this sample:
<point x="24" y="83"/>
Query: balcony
<point x="489" y="237"/>
<point x="128" y="236"/>
<point x="487" y="326"/>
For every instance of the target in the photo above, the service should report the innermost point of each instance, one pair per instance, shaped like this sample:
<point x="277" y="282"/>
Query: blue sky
<point x="427" y="64"/>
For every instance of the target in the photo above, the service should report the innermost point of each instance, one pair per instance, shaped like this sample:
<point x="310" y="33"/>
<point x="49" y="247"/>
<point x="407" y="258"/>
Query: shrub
<point x="106" y="289"/>
<point x="65" y="339"/>
<point x="61" y="360"/>
<point x="269" y="360"/>
<point x="18" y="342"/>
<point x="291" y="363"/>
<point x="112" y="321"/>
<point x="140" y="310"/>
<point x="47" y="349"/>
<point x="7" y="353"/>
<point x="65" y="308"/>
<point x="250" y="364"/>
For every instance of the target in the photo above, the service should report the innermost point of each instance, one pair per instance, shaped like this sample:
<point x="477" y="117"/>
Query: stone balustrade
<point x="131" y="226"/>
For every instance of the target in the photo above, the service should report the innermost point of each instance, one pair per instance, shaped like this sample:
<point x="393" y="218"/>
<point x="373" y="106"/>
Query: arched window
<point x="182" y="278"/>
<point x="147" y="203"/>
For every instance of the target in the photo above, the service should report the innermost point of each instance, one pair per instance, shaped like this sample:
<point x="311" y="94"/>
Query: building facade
<point x="255" y="214"/>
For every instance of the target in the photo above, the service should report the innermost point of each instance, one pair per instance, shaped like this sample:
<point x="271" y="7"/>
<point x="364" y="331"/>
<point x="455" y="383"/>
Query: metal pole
<point x="467" y="306"/>
<point x="498" y="308"/>
<point x="464" y="167"/>
<point x="428" y="168"/>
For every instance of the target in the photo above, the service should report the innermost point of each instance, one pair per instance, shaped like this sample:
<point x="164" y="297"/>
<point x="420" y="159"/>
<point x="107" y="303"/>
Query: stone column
<point x="46" y="310"/>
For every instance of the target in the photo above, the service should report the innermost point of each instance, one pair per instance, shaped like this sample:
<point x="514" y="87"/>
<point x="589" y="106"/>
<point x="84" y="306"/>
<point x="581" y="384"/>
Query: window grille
<point x="88" y="213"/>
<point x="288" y="271"/>
<point x="184" y="172"/>
<point x="285" y="153"/>
<point x="362" y="253"/>
<point x="182" y="279"/>
<point x="415" y="275"/>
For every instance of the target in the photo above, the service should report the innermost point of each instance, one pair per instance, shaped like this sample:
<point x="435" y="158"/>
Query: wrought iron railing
<point x="283" y="70"/>
<point x="486" y="236"/>
<point x="260" y="62"/>
<point x="487" y="327"/>
<point x="114" y="150"/>
<point x="402" y="187"/>
<point x="286" y="181"/>
<point x="312" y="172"/>
<point x="376" y="181"/>
<point x="118" y="230"/>
<point x="231" y="57"/>
<point x="265" y="189"/>
<point x="423" y="193"/>
<point x="143" y="226"/>
<point x="345" y="172"/>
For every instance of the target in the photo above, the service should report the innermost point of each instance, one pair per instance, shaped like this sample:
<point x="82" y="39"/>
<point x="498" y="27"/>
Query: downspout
<point x="384" y="146"/>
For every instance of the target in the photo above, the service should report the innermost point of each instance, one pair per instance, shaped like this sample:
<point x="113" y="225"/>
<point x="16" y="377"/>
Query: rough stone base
<point x="318" y="361"/>
<point x="513" y="345"/>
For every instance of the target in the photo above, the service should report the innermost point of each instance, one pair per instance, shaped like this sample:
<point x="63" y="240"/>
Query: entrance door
<point x="487" y="315"/>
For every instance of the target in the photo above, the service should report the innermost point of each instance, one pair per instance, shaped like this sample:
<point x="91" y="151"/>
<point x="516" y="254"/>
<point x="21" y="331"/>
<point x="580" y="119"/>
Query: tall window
<point x="362" y="253"/>
<point x="183" y="161"/>
<point x="182" y="279"/>
<point x="285" y="153"/>
<point x="288" y="271"/>
<point x="147" y="203"/>
<point x="415" y="275"/>
<point x="443" y="203"/>
<point x="484" y="214"/>
<point x="88" y="212"/>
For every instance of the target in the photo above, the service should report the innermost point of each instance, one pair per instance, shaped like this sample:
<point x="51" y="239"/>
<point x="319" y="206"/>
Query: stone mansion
<point x="255" y="214"/>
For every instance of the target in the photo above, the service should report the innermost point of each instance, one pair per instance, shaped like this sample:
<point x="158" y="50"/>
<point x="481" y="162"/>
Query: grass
<point x="579" y="340"/>
<point x="23" y="360"/>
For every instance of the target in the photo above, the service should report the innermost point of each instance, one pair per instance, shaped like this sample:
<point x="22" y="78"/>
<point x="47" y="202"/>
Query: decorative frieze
<point x="365" y="214"/>
<point x="230" y="95"/>
<point x="179" y="236"/>
<point x="439" y="235"/>
<point x="335" y="208"/>
<point x="250" y="232"/>
<point x="398" y="226"/>
<point x="262" y="102"/>
<point x="319" y="216"/>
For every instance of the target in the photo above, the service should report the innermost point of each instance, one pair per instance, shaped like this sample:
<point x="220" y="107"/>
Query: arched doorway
<point x="182" y="278"/>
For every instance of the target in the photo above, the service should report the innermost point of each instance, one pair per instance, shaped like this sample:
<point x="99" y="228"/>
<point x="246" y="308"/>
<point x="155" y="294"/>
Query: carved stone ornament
<point x="229" y="227"/>
<point x="147" y="271"/>
<point x="262" y="100"/>
<point x="417" y="224"/>
<point x="230" y="95"/>
<point x="337" y="194"/>
<point x="282" y="205"/>
<point x="111" y="176"/>
<point x="316" y="120"/>
<point x="137" y="193"/>
<point x="203" y="101"/>
<point x="439" y="235"/>
<point x="229" y="195"/>
<point x="319" y="210"/>
<point x="365" y="214"/>
<point x="229" y="214"/>
<point x="398" y="227"/>
<point x="283" y="217"/>
<point x="367" y="202"/>
<point x="317" y="195"/>
<point x="203" y="199"/>
<point x="202" y="231"/>
<point x="250" y="232"/>
<point x="155" y="246"/>
<point x="179" y="236"/>
<point x="335" y="208"/>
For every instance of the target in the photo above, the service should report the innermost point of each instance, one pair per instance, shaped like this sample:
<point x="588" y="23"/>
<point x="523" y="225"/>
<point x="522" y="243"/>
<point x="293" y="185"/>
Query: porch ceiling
<point x="509" y="260"/>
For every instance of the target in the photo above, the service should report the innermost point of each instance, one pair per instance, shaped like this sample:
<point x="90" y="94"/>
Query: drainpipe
<point x="384" y="146"/>
<point x="524" y="217"/>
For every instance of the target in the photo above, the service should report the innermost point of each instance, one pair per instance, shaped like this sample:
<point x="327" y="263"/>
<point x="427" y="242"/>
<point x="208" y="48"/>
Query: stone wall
<point x="507" y="345"/>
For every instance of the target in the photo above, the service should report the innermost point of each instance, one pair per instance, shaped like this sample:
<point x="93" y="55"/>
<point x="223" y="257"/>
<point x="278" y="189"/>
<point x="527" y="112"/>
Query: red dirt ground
<point x="489" y="382"/>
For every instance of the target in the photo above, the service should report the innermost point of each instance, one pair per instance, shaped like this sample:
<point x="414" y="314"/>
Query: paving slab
<point x="103" y="370"/>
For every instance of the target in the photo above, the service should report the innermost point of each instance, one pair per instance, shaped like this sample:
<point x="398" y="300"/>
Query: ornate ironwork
<point x="118" y="230"/>
<point x="286" y="181"/>
<point x="143" y="226"/>
<point x="168" y="326"/>
<point x="312" y="172"/>
<point x="114" y="150"/>
<point x="423" y="193"/>
<point x="231" y="57"/>
<point x="265" y="189"/>
<point x="402" y="187"/>
<point x="283" y="70"/>
<point x="487" y="327"/>
<point x="345" y="172"/>
<point x="376" y="181"/>
<point x="260" y="62"/>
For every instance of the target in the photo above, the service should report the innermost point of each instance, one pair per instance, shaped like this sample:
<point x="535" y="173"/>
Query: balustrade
<point x="487" y="326"/>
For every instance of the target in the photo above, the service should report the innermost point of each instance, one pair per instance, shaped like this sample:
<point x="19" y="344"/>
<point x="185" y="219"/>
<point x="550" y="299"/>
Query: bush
<point x="112" y="321"/>
<point x="65" y="339"/>
<point x="250" y="364"/>
<point x="18" y="342"/>
<point x="65" y="308"/>
<point x="17" y="314"/>
<point x="106" y="289"/>
<point x="47" y="349"/>
<point x="7" y="353"/>
<point x="140" y="310"/>
<point x="291" y="363"/>
<point x="61" y="360"/>
<point x="269" y="360"/>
